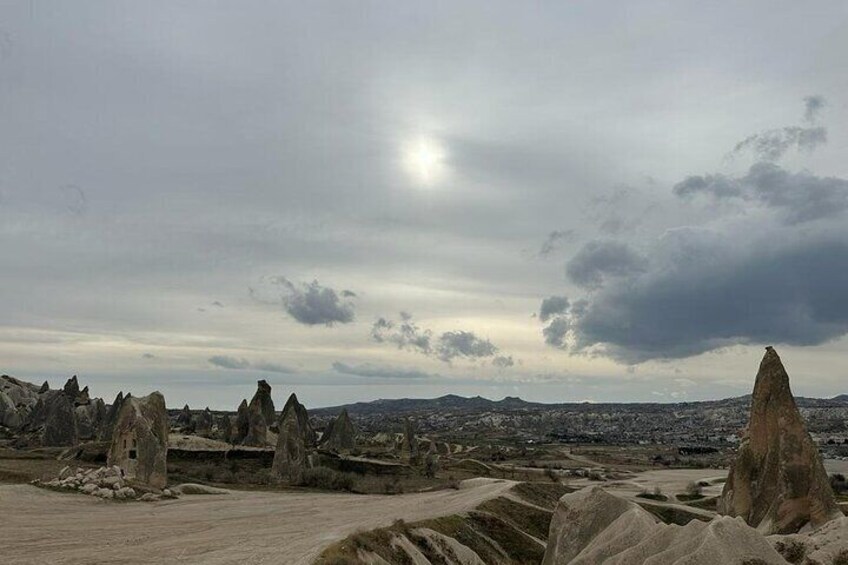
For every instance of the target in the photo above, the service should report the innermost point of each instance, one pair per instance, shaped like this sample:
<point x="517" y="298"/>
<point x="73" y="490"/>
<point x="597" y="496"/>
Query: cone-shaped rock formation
<point x="777" y="483"/>
<point x="341" y="434"/>
<point x="291" y="457"/>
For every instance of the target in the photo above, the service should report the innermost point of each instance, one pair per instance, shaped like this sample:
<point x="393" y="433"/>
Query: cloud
<point x="271" y="367"/>
<point x="800" y="197"/>
<point x="451" y="345"/>
<point x="812" y="106"/>
<point x="405" y="334"/>
<point x="464" y="344"/>
<point x="241" y="364"/>
<point x="552" y="306"/>
<point x="148" y="356"/>
<point x="380" y="372"/>
<point x="600" y="260"/>
<point x="308" y="303"/>
<point x="773" y="144"/>
<point x="708" y="288"/>
<point x="227" y="362"/>
<point x="556" y="331"/>
<point x="555" y="240"/>
<point x="503" y="361"/>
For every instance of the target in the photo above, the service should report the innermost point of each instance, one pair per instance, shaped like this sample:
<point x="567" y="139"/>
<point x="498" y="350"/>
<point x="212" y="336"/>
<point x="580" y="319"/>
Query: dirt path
<point x="41" y="526"/>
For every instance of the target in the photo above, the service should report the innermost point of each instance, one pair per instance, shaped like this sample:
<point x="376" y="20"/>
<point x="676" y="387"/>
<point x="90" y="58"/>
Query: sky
<point x="583" y="201"/>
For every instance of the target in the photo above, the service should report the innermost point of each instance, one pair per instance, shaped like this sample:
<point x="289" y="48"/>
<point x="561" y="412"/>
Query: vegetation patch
<point x="542" y="494"/>
<point x="523" y="517"/>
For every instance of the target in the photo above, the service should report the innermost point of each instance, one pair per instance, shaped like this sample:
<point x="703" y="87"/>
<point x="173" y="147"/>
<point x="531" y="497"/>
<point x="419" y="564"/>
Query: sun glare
<point x="424" y="159"/>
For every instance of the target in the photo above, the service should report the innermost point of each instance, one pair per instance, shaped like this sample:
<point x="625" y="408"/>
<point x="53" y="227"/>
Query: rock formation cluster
<point x="45" y="417"/>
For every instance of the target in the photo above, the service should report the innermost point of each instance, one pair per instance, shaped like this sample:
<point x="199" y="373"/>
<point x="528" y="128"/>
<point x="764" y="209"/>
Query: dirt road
<point x="41" y="526"/>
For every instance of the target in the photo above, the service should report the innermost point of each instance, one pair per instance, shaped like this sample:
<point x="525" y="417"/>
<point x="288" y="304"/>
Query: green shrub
<point x="327" y="479"/>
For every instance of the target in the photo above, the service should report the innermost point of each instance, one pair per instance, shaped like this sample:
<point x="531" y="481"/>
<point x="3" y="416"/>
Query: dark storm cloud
<point x="770" y="292"/>
<point x="310" y="304"/>
<point x="599" y="260"/>
<point x="552" y="306"/>
<point x="742" y="278"/>
<point x="379" y="372"/>
<point x="800" y="197"/>
<point x="241" y="364"/>
<point x="555" y="240"/>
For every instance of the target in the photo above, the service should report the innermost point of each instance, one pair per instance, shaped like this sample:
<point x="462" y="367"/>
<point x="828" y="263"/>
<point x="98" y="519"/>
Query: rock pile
<point x="777" y="482"/>
<point x="105" y="482"/>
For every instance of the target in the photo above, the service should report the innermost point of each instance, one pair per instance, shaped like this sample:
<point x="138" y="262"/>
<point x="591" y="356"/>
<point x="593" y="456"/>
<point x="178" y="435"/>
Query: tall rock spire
<point x="777" y="482"/>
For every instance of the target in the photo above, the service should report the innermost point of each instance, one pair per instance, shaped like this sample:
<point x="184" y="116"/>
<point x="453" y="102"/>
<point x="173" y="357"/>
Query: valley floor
<point x="42" y="526"/>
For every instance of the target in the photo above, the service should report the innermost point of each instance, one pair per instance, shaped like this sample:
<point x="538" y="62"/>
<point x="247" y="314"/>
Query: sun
<point x="424" y="160"/>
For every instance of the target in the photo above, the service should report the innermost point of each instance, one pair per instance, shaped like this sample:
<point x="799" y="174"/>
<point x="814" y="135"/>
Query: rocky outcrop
<point x="591" y="526"/>
<point x="263" y="399"/>
<point x="204" y="423"/>
<point x="111" y="417"/>
<point x="409" y="444"/>
<point x="292" y="404"/>
<point x="777" y="483"/>
<point x="40" y="416"/>
<point x="225" y="428"/>
<point x="242" y="422"/>
<point x="140" y="440"/>
<point x="291" y="457"/>
<point x="340" y="435"/>
<point x="60" y="425"/>
<point x="185" y="420"/>
<point x="260" y="416"/>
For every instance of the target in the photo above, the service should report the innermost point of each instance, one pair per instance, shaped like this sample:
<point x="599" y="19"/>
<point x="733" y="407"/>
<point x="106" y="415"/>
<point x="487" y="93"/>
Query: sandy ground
<point x="46" y="527"/>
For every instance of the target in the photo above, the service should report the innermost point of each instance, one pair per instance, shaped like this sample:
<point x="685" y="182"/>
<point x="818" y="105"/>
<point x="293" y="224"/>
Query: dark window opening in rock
<point x="132" y="454"/>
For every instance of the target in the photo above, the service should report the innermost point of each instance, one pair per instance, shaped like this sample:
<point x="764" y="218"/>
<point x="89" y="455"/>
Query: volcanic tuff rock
<point x="340" y="434"/>
<point x="777" y="482"/>
<point x="111" y="416"/>
<point x="291" y="457"/>
<point x="242" y="422"/>
<point x="140" y="440"/>
<point x="266" y="403"/>
<point x="591" y="526"/>
<point x="260" y="415"/>
<point x="409" y="444"/>
<point x="310" y="436"/>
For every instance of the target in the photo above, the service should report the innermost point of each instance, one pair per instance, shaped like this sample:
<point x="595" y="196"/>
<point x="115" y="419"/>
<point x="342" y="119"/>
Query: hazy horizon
<point x="356" y="201"/>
